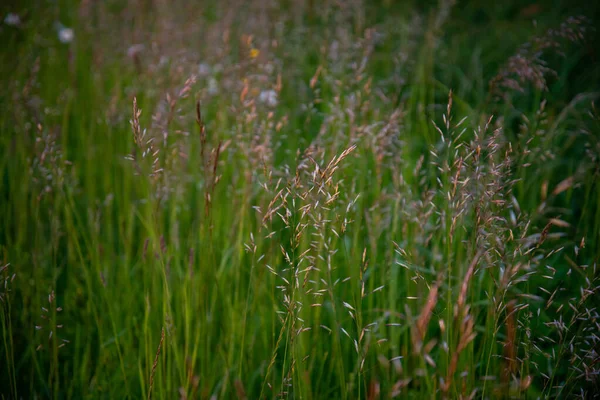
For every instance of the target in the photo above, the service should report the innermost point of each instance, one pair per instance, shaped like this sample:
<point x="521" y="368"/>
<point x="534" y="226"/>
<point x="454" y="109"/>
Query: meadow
<point x="258" y="199"/>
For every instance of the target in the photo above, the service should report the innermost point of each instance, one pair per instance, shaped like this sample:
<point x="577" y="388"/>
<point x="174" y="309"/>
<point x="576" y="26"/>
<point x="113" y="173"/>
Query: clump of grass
<point x="288" y="214"/>
<point x="528" y="67"/>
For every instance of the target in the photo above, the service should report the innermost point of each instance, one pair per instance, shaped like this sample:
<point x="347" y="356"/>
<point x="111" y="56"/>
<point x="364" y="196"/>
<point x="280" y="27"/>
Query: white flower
<point x="134" y="50"/>
<point x="164" y="60"/>
<point x="334" y="50"/>
<point x="203" y="69"/>
<point x="268" y="97"/>
<point x="65" y="35"/>
<point x="12" y="19"/>
<point x="213" y="86"/>
<point x="269" y="68"/>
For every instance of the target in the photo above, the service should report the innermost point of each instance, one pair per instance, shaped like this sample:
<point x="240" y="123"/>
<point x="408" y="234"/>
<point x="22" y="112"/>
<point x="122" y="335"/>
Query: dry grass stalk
<point x="420" y="327"/>
<point x="155" y="364"/>
<point x="466" y="336"/>
<point x="460" y="304"/>
<point x="239" y="389"/>
<point x="374" y="390"/>
<point x="210" y="162"/>
<point x="463" y="319"/>
<point x="510" y="345"/>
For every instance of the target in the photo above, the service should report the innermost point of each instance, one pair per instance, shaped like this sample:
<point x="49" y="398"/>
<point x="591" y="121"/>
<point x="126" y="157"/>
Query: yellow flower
<point x="254" y="53"/>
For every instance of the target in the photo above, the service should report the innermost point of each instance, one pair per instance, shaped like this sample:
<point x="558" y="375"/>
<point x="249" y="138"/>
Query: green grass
<point x="415" y="214"/>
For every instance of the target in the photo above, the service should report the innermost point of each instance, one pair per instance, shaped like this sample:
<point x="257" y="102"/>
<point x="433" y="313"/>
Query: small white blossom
<point x="12" y="19"/>
<point x="203" y="69"/>
<point x="268" y="97"/>
<point x="163" y="61"/>
<point x="65" y="35"/>
<point x="134" y="50"/>
<point x="334" y="50"/>
<point x="213" y="86"/>
<point x="269" y="68"/>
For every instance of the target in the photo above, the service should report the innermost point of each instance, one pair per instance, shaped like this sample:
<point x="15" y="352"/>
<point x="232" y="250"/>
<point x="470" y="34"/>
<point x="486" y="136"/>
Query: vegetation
<point x="299" y="199"/>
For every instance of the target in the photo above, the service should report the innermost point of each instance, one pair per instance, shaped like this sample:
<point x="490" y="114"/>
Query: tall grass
<point x="257" y="199"/>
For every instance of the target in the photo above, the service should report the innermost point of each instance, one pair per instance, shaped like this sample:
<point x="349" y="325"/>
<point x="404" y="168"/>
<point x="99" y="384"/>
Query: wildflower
<point x="12" y="19"/>
<point x="65" y="35"/>
<point x="268" y="97"/>
<point x="134" y="50"/>
<point x="269" y="68"/>
<point x="163" y="61"/>
<point x="213" y="86"/>
<point x="254" y="53"/>
<point x="203" y="69"/>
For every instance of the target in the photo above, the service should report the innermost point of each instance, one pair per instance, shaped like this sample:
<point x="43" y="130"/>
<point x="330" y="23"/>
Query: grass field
<point x="301" y="199"/>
